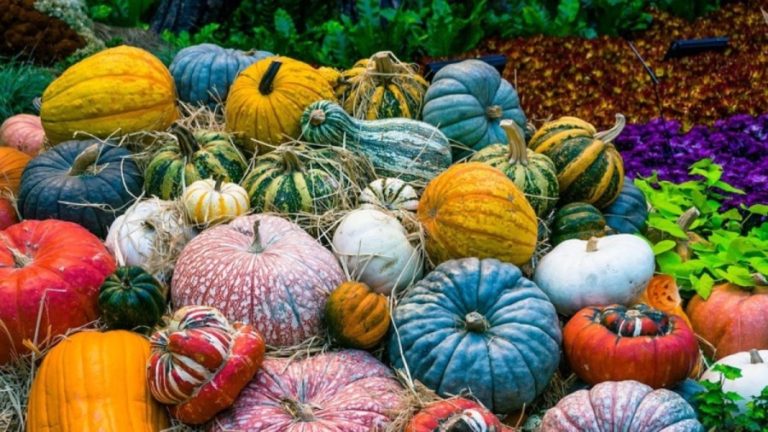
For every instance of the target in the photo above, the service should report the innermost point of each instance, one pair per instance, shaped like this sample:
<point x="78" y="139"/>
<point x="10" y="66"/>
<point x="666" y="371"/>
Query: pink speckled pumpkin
<point x="347" y="391"/>
<point x="23" y="132"/>
<point x="622" y="405"/>
<point x="277" y="281"/>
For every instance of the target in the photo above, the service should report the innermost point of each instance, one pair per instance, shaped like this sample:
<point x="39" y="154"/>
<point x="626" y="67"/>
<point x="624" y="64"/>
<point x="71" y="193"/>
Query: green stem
<point x="187" y="142"/>
<point x="291" y="162"/>
<point x="265" y="86"/>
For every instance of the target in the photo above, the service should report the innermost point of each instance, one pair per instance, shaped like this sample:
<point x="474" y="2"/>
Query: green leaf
<point x="740" y="276"/>
<point x="759" y="209"/>
<point x="667" y="226"/>
<point x="663" y="246"/>
<point x="703" y="285"/>
<point x="729" y="372"/>
<point x="723" y="186"/>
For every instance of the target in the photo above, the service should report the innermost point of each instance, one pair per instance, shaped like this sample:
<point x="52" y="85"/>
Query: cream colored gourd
<point x="594" y="272"/>
<point x="754" y="375"/>
<point x="390" y="194"/>
<point x="375" y="250"/>
<point x="209" y="202"/>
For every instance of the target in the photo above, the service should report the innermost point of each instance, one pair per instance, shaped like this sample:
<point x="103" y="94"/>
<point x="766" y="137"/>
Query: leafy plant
<point x="717" y="408"/>
<point x="126" y="13"/>
<point x="20" y="83"/>
<point x="688" y="9"/>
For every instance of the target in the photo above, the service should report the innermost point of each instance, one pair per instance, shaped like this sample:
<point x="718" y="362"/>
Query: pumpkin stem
<point x="592" y="244"/>
<point x="265" y="86"/>
<point x="187" y="142"/>
<point x="85" y="159"/>
<point x="518" y="151"/>
<point x="219" y="179"/>
<point x="383" y="64"/>
<point x="754" y="357"/>
<point x="687" y="218"/>
<point x="494" y="112"/>
<point x="458" y="423"/>
<point x="475" y="322"/>
<point x="759" y="279"/>
<point x="317" y="117"/>
<point x="609" y="135"/>
<point x="19" y="259"/>
<point x="291" y="161"/>
<point x="298" y="410"/>
<point x="256" y="246"/>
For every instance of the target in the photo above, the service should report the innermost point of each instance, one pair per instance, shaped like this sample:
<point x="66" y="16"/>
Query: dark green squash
<point x="86" y="182"/>
<point x="628" y="214"/>
<point x="131" y="298"/>
<point x="577" y="221"/>
<point x="198" y="156"/>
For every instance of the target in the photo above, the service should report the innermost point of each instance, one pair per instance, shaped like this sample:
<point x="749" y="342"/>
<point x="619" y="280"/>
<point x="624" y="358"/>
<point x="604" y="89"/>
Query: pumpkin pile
<point x="352" y="250"/>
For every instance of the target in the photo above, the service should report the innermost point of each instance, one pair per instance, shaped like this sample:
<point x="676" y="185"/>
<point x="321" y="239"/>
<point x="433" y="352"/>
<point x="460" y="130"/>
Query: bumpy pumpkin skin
<point x="467" y="101"/>
<point x="474" y="210"/>
<point x="123" y="88"/>
<point x="478" y="325"/>
<point x="642" y="344"/>
<point x="577" y="221"/>
<point x="12" y="164"/>
<point x="24" y="132"/>
<point x="347" y="390"/>
<point x="732" y="319"/>
<point x="57" y="183"/>
<point x="131" y="298"/>
<point x="356" y="316"/>
<point x="624" y="405"/>
<point x="267" y="99"/>
<point x="28" y="250"/>
<point x="454" y="414"/>
<point x="95" y="381"/>
<point x="629" y="213"/>
<point x="203" y="73"/>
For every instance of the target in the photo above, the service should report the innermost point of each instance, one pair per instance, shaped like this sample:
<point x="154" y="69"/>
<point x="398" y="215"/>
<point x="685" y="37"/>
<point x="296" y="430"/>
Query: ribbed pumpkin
<point x="57" y="265"/>
<point x="357" y="317"/>
<point x="86" y="182"/>
<point x="454" y="415"/>
<point x="467" y="101"/>
<point x="12" y="164"/>
<point x="589" y="168"/>
<point x="477" y="325"/>
<point x="24" y="132"/>
<point x="132" y="298"/>
<point x="381" y="87"/>
<point x="390" y="194"/>
<point x="475" y="210"/>
<point x="267" y="99"/>
<point x="194" y="156"/>
<point x="123" y="88"/>
<point x="203" y="73"/>
<point x="577" y="221"/>
<point x="532" y="172"/>
<point x="330" y="74"/>
<point x="95" y="381"/>
<point x="209" y="201"/>
<point x="629" y="212"/>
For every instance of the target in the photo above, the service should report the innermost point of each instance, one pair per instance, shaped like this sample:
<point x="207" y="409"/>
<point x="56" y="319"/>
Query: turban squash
<point x="455" y="414"/>
<point x="95" y="381"/>
<point x="123" y="89"/>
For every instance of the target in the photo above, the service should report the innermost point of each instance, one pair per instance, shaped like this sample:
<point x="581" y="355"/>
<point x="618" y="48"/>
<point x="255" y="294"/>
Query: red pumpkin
<point x="732" y="319"/>
<point x="50" y="275"/>
<point x="346" y="391"/>
<point x="277" y="280"/>
<point x="457" y="414"/>
<point x="617" y="343"/>
<point x="201" y="362"/>
<point x="8" y="214"/>
<point x="24" y="132"/>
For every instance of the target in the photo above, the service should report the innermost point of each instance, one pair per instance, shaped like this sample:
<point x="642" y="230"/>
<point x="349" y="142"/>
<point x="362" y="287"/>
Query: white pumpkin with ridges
<point x="754" y="375"/>
<point x="208" y="201"/>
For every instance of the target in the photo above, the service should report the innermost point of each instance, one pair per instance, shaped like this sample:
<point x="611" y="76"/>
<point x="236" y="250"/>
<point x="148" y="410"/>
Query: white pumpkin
<point x="150" y="235"/>
<point x="375" y="249"/>
<point x="600" y="271"/>
<point x="754" y="375"/>
<point x="389" y="194"/>
<point x="209" y="202"/>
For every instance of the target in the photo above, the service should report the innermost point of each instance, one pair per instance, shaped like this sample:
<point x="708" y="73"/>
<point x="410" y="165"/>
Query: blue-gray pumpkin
<point x="86" y="182"/>
<point x="629" y="212"/>
<point x="478" y="325"/>
<point x="203" y="73"/>
<point x="467" y="102"/>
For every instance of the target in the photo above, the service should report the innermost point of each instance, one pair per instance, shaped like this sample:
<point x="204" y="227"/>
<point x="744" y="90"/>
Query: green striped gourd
<point x="589" y="168"/>
<point x="533" y="173"/>
<point x="281" y="182"/>
<point x="407" y="149"/>
<point x="198" y="156"/>
<point x="577" y="221"/>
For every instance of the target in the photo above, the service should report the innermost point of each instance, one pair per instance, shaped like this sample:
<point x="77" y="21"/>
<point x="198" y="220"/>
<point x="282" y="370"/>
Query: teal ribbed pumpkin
<point x="131" y="298"/>
<point x="198" y="156"/>
<point x="628" y="214"/>
<point x="577" y="221"/>
<point x="467" y="102"/>
<point x="532" y="172"/>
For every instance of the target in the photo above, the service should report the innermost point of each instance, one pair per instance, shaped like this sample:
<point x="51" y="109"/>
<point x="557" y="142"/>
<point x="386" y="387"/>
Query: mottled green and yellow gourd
<point x="533" y="173"/>
<point x="589" y="168"/>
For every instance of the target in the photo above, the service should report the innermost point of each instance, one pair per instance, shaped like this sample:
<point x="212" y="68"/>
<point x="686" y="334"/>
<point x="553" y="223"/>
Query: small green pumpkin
<point x="577" y="221"/>
<point x="533" y="173"/>
<point x="198" y="156"/>
<point x="131" y="298"/>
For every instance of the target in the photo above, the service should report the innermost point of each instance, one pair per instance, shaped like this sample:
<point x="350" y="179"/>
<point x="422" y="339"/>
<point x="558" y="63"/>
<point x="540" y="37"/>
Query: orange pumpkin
<point x="357" y="316"/>
<point x="663" y="294"/>
<point x="12" y="163"/>
<point x="475" y="210"/>
<point x="95" y="381"/>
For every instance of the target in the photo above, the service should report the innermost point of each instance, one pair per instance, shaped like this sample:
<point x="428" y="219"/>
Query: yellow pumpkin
<point x="330" y="74"/>
<point x="209" y="201"/>
<point x="267" y="99"/>
<point x="357" y="317"/>
<point x="381" y="87"/>
<point x="123" y="88"/>
<point x="475" y="210"/>
<point x="94" y="381"/>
